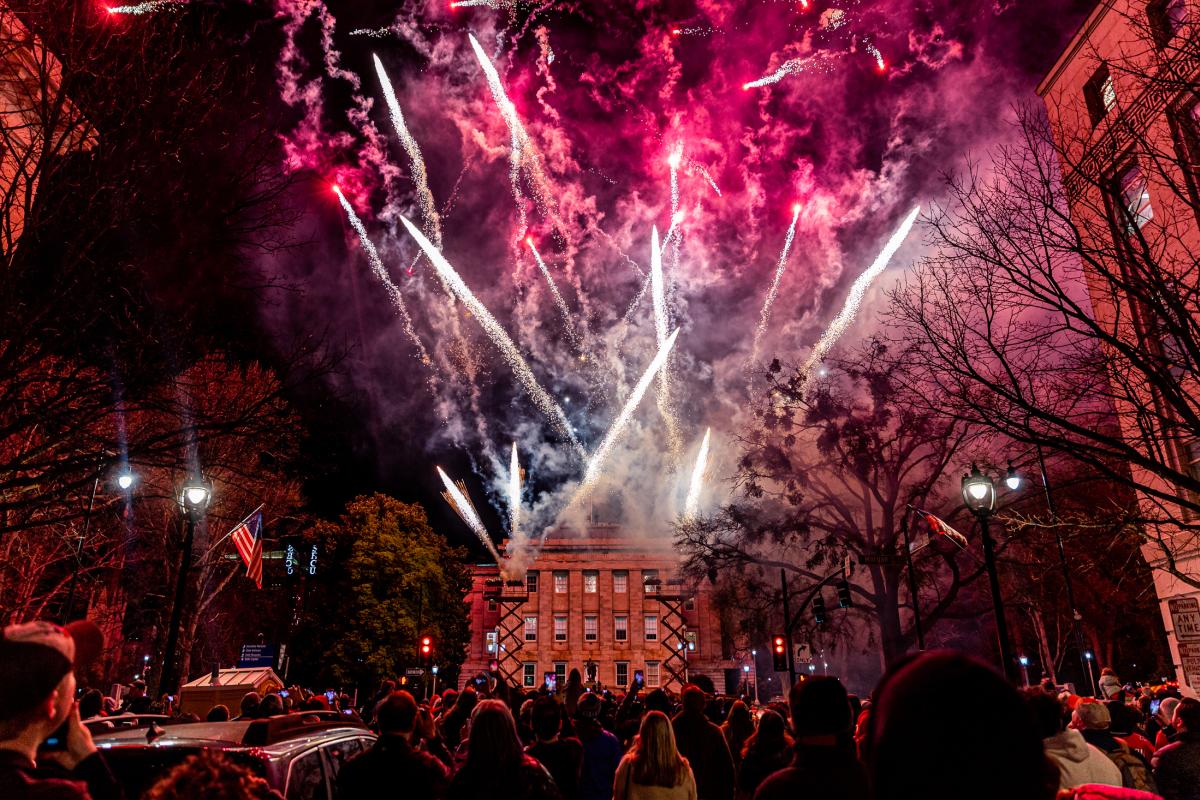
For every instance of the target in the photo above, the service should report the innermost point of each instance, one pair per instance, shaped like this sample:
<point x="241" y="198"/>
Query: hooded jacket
<point x="1079" y="762"/>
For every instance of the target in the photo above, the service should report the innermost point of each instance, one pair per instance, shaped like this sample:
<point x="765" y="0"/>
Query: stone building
<point x="603" y="602"/>
<point x="1124" y="113"/>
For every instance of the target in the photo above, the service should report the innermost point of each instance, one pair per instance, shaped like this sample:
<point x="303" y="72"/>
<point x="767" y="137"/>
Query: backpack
<point x="1135" y="773"/>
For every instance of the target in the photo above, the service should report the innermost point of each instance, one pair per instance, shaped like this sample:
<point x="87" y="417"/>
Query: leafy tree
<point x="392" y="581"/>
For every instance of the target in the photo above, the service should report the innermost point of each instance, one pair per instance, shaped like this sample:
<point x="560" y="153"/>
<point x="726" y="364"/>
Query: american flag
<point x="936" y="526"/>
<point x="248" y="538"/>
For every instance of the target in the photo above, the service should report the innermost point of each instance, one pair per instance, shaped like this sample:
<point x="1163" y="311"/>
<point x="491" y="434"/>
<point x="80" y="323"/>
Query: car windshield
<point x="138" y="768"/>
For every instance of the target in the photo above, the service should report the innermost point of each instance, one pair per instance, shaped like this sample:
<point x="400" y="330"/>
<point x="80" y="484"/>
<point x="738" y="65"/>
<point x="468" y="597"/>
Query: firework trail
<point x="456" y="496"/>
<point x="793" y="66"/>
<point x="658" y="296"/>
<point x="673" y="162"/>
<point x="420" y="176"/>
<point x="878" y="56"/>
<point x="774" y="290"/>
<point x="152" y="7"/>
<point x="592" y="473"/>
<point x="854" y="299"/>
<point x="381" y="272"/>
<point x="558" y="298"/>
<point x="516" y="130"/>
<point x="700" y="168"/>
<point x="500" y="339"/>
<point x="514" y="494"/>
<point x="692" y="505"/>
<point x="507" y="5"/>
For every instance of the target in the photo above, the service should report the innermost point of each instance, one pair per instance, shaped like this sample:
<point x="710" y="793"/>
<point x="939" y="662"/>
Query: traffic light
<point x="843" y="590"/>
<point x="779" y="653"/>
<point x="819" y="610"/>
<point x="426" y="648"/>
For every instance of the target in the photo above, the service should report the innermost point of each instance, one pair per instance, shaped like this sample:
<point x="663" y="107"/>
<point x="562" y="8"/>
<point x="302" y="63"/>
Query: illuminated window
<point x="531" y="629"/>
<point x="560" y="629"/>
<point x="622" y="674"/>
<point x="621" y="629"/>
<point x="531" y="581"/>
<point x="591" y="627"/>
<point x="620" y="582"/>
<point x="1166" y="18"/>
<point x="652" y="674"/>
<point x="650" y="580"/>
<point x="529" y="674"/>
<point x="651" y="627"/>
<point x="1100" y="94"/>
<point x="560" y="582"/>
<point x="1135" y="198"/>
<point x="491" y="604"/>
<point x="693" y="640"/>
<point x="491" y="641"/>
<point x="590" y="578"/>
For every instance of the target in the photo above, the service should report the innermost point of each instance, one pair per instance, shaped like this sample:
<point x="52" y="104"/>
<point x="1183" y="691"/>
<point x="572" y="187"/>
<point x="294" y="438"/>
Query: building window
<point x="591" y="627"/>
<point x="621" y="629"/>
<point x="620" y="582"/>
<point x="689" y="604"/>
<point x="652" y="674"/>
<point x="622" y="674"/>
<point x="1166" y="18"/>
<point x="560" y="629"/>
<point x="531" y="629"/>
<point x="1193" y="458"/>
<point x="1135" y="199"/>
<point x="650" y="580"/>
<point x="531" y="581"/>
<point x="651" y="628"/>
<point x="529" y="674"/>
<point x="560" y="674"/>
<point x="590" y="578"/>
<point x="560" y="582"/>
<point x="1100" y="95"/>
<point x="491" y="641"/>
<point x="491" y="604"/>
<point x="693" y="641"/>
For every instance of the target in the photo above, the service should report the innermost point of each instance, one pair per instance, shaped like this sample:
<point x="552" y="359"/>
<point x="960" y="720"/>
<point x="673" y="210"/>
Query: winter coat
<point x="1079" y="762"/>
<point x="1177" y="768"/>
<point x="392" y="762"/>
<point x="91" y="779"/>
<point x="1109" y="686"/>
<point x="530" y="781"/>
<point x="817" y="771"/>
<point x="703" y="745"/>
<point x="624" y="787"/>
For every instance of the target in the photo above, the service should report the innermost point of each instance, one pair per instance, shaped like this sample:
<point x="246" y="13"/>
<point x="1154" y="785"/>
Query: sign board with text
<point x="1185" y="618"/>
<point x="414" y="672"/>
<point x="257" y="655"/>
<point x="1189" y="658"/>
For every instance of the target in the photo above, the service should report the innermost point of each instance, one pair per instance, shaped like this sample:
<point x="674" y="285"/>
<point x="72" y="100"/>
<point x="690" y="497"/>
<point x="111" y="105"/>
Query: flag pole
<point x="912" y="581"/>
<point x="217" y="544"/>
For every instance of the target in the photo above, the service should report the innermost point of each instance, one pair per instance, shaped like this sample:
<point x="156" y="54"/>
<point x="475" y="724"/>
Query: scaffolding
<point x="675" y="663"/>
<point x="510" y="597"/>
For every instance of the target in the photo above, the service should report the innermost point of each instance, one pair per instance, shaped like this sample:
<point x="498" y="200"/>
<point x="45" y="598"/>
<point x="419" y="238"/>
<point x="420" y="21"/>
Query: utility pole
<point x="787" y="632"/>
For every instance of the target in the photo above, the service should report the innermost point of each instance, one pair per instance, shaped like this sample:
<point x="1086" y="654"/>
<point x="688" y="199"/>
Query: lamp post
<point x="1024" y="668"/>
<point x="1087" y="654"/>
<point x="193" y="499"/>
<point x="979" y="494"/>
<point x="754" y="663"/>
<point x="124" y="482"/>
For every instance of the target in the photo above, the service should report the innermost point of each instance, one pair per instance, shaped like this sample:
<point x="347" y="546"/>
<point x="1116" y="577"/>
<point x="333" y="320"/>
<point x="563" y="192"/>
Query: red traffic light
<point x="780" y="645"/>
<point x="426" y="641"/>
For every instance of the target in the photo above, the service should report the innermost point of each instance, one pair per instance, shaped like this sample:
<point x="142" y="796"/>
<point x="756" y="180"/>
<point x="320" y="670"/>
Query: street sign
<point x="802" y="653"/>
<point x="1185" y="618"/>
<point x="881" y="559"/>
<point x="257" y="655"/>
<point x="1189" y="659"/>
<point x="414" y="672"/>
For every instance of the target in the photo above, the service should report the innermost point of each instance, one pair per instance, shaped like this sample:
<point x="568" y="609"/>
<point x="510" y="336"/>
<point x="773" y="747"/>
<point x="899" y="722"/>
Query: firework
<point x="514" y="494"/>
<point x="516" y="130"/>
<point x="381" y="272"/>
<point x="153" y="7"/>
<point x="558" y="298"/>
<point x="878" y="56"/>
<point x="854" y="299"/>
<point x="429" y="213"/>
<point x="619" y="424"/>
<point x="658" y="296"/>
<point x="789" y="67"/>
<point x="673" y="162"/>
<point x="700" y="168"/>
<point x="692" y="505"/>
<point x="499" y="337"/>
<point x="774" y="290"/>
<point x="456" y="496"/>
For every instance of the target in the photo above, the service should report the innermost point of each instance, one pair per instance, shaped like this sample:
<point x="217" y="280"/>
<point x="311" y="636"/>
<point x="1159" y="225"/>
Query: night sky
<point x="605" y="93"/>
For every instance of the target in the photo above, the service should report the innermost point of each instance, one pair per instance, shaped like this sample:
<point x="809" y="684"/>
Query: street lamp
<point x="1091" y="672"/>
<point x="1024" y="661"/>
<point x="979" y="495"/>
<point x="125" y="480"/>
<point x="194" y="497"/>
<point x="1012" y="478"/>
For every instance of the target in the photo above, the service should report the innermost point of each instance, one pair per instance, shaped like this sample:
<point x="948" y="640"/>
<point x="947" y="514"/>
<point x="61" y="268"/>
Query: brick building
<point x="602" y="602"/>
<point x="1124" y="113"/>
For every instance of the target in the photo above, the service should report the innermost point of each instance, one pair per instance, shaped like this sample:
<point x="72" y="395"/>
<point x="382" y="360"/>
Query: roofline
<point x="1068" y="54"/>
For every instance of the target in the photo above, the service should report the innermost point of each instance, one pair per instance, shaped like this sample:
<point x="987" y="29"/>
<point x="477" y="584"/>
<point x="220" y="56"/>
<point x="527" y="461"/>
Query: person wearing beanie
<point x="703" y="745"/>
<point x="824" y="763"/>
<point x="1092" y="720"/>
<point x="38" y="661"/>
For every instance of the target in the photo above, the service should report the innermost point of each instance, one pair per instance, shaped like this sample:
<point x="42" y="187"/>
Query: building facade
<point x="604" y="602"/>
<point x="1124" y="114"/>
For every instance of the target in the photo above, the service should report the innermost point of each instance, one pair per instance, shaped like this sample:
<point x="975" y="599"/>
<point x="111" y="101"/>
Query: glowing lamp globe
<point x="194" y="496"/>
<point x="125" y="480"/>
<point x="1013" y="479"/>
<point x="978" y="492"/>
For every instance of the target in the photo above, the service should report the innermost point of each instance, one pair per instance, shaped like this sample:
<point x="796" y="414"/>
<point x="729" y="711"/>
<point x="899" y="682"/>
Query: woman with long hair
<point x="768" y="750"/>
<point x="496" y="764"/>
<point x="738" y="727"/>
<point x="654" y="769"/>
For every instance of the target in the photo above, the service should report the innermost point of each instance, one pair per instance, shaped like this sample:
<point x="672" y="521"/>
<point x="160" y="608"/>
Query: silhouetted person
<point x="496" y="765"/>
<point x="703" y="745"/>
<point x="561" y="756"/>
<point x="768" y="750"/>
<point x="394" y="766"/>
<point x="1177" y="766"/>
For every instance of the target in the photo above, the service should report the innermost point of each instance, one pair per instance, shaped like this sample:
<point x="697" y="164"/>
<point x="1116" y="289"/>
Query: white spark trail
<point x="622" y="421"/>
<point x="462" y="506"/>
<point x="854" y="299"/>
<point x="774" y="290"/>
<point x="514" y="495"/>
<point x="673" y="162"/>
<point x="381" y="272"/>
<point x="500" y="339"/>
<point x="558" y="298"/>
<point x="658" y="295"/>
<point x="708" y="178"/>
<point x="420" y="176"/>
<point x="151" y="7"/>
<point x="516" y="130"/>
<point x="793" y="66"/>
<point x="692" y="505"/>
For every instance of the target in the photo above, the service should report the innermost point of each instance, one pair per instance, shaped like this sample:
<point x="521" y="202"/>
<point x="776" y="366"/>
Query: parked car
<point x="98" y="726"/>
<point x="298" y="754"/>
